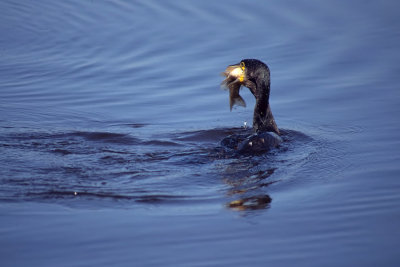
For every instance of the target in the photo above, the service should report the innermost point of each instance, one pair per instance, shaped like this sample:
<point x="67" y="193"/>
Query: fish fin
<point x="237" y="100"/>
<point x="228" y="82"/>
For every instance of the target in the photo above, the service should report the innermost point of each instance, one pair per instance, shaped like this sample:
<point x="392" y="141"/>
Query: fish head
<point x="234" y="73"/>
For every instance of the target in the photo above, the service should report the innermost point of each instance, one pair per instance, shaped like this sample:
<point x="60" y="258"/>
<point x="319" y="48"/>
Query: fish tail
<point x="237" y="100"/>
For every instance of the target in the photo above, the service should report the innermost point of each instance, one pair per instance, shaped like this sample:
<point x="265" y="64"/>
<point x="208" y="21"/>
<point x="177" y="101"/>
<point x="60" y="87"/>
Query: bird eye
<point x="242" y="65"/>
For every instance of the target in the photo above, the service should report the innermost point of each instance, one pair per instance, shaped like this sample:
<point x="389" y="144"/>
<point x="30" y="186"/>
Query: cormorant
<point x="255" y="75"/>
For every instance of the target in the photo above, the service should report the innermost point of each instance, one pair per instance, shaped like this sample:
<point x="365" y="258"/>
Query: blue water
<point x="111" y="117"/>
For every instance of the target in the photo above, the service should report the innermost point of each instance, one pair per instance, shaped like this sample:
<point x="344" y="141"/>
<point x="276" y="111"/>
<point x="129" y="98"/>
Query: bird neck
<point x="263" y="120"/>
<point x="262" y="88"/>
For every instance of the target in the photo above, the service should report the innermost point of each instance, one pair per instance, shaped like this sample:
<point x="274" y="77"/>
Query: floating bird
<point x="254" y="75"/>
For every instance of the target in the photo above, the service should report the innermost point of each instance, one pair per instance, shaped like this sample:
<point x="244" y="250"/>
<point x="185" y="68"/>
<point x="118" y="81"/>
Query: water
<point x="111" y="117"/>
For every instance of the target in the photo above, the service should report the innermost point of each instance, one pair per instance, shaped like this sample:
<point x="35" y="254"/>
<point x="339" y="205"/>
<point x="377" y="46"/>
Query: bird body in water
<point x="254" y="75"/>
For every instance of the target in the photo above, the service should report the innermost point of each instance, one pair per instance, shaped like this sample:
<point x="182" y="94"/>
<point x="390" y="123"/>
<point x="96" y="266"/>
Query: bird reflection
<point x="250" y="203"/>
<point x="247" y="185"/>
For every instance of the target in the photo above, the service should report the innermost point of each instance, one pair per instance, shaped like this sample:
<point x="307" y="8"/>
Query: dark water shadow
<point x="248" y="176"/>
<point x="79" y="167"/>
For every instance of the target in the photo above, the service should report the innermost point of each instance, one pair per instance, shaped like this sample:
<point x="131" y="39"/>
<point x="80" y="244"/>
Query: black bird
<point x="254" y="75"/>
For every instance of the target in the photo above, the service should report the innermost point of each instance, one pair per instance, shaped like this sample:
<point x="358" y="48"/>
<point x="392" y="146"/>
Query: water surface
<point x="111" y="118"/>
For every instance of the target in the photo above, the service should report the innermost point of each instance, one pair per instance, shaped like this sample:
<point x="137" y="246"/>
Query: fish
<point x="233" y="82"/>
